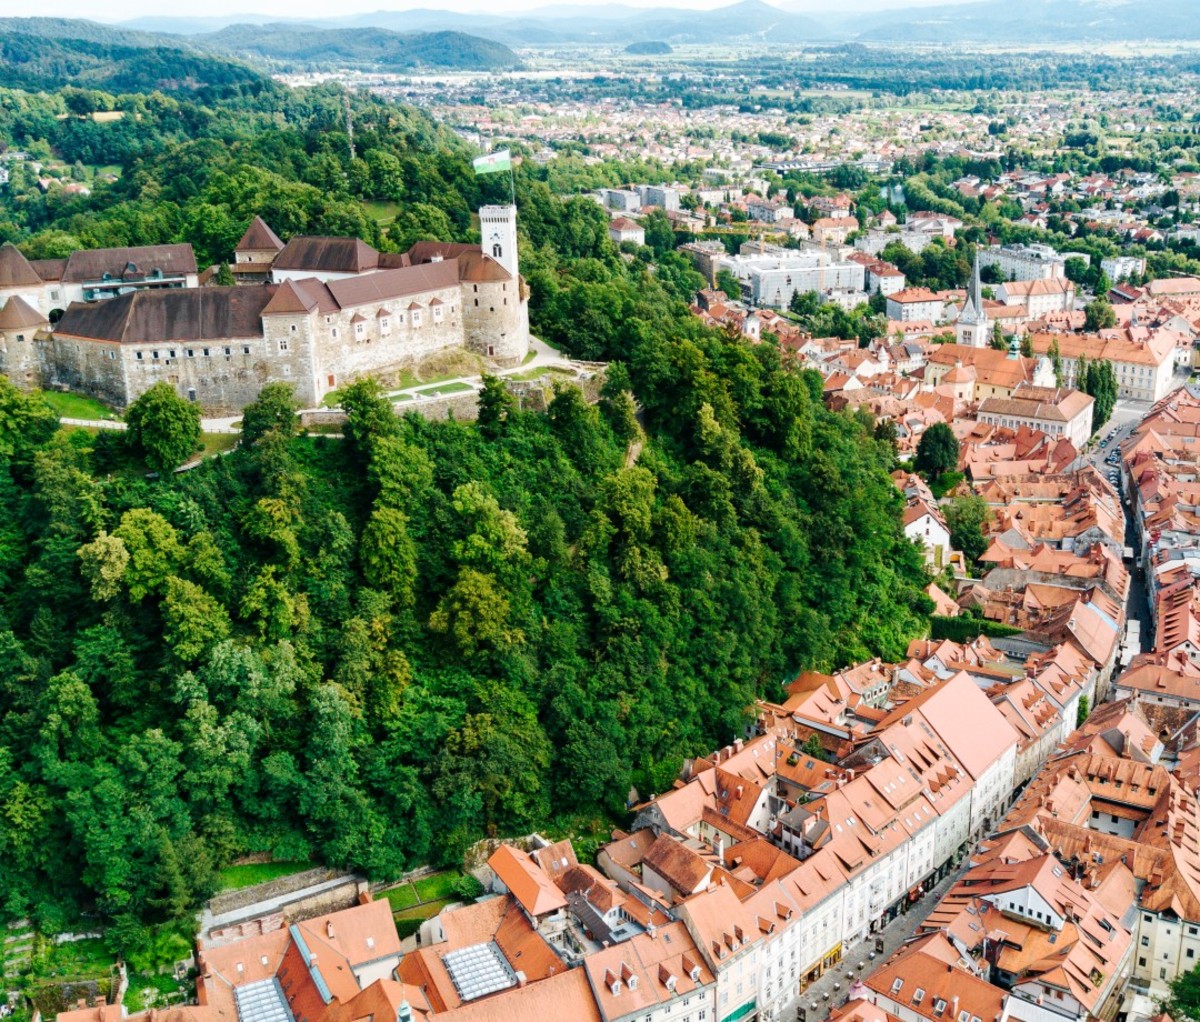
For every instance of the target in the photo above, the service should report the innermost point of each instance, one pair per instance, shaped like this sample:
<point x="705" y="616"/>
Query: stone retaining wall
<point x="231" y="901"/>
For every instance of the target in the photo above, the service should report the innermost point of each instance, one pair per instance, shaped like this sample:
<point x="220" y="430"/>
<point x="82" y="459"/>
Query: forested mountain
<point x="303" y="45"/>
<point x="373" y="651"/>
<point x="44" y="53"/>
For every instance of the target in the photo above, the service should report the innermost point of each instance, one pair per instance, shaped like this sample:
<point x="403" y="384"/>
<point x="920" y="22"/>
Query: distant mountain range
<point x="1029" y="22"/>
<point x="46" y="53"/>
<point x="382" y="50"/>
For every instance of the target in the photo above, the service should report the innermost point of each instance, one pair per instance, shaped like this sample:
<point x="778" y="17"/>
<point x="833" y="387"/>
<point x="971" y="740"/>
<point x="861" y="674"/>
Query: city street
<point x="822" y="993"/>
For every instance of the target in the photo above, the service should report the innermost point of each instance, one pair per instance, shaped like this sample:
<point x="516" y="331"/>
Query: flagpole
<point x="512" y="185"/>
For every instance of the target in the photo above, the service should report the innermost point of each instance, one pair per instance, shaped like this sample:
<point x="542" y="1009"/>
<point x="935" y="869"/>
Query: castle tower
<point x="498" y="228"/>
<point x="972" y="326"/>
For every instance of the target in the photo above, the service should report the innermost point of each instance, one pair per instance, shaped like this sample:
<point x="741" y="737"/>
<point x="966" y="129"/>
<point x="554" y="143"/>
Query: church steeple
<point x="972" y="326"/>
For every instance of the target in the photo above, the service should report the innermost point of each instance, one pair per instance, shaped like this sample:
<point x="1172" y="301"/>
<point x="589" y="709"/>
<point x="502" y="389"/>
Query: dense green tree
<point x="1099" y="314"/>
<point x="164" y="429"/>
<point x="967" y="518"/>
<point x="937" y="451"/>
<point x="274" y="409"/>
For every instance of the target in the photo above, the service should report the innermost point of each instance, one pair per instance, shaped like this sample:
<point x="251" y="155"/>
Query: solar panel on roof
<point x="479" y="970"/>
<point x="262" y="1002"/>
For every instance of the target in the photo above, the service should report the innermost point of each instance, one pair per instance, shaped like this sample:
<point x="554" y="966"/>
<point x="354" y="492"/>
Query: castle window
<point x="283" y="344"/>
<point x="293" y="328"/>
<point x="416" y="317"/>
<point x="505" y="301"/>
<point x="191" y="393"/>
<point x="333" y="333"/>
<point x="172" y="353"/>
<point x="477" y="303"/>
<point x="287" y="370"/>
<point x="137" y="355"/>
<point x="111" y="354"/>
<point x="245" y="349"/>
<point x="205" y="350"/>
<point x="358" y="329"/>
<point x="437" y="313"/>
<point x="475" y="288"/>
<point x="228" y="352"/>
<point x="154" y="355"/>
<point x="20" y="337"/>
<point x="496" y="250"/>
<point x="191" y="353"/>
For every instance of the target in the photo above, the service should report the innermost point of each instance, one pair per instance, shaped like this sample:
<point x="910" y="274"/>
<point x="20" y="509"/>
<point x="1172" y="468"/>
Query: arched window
<point x="496" y="250"/>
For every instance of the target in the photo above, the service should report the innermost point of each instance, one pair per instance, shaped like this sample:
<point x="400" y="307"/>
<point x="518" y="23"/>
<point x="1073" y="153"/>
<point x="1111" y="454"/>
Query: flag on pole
<point x="493" y="163"/>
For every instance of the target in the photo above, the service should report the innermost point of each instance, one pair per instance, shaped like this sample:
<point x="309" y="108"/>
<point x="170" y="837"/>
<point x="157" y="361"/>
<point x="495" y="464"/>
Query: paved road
<point x="895" y="935"/>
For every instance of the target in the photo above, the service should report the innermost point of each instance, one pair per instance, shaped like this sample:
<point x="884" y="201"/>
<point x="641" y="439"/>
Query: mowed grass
<point x="382" y="212"/>
<point x="234" y="878"/>
<point x="217" y="443"/>
<point x="445" y="388"/>
<point x="76" y="406"/>
<point x="410" y="920"/>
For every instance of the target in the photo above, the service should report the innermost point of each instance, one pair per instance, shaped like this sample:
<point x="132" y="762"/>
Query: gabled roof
<point x="15" y="270"/>
<point x="137" y="261"/>
<point x="168" y="316"/>
<point x="327" y="255"/>
<point x="259" y="238"/>
<point x="18" y="314"/>
<point x="526" y="880"/>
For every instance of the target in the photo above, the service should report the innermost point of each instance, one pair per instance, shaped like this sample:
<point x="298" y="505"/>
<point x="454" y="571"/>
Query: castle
<point x="315" y="312"/>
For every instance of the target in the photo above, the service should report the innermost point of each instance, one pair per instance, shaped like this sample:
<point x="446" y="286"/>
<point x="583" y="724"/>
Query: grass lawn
<point x="332" y="399"/>
<point x="234" y="878"/>
<point x="437" y="886"/>
<point x="446" y="388"/>
<point x="382" y="212"/>
<point x="410" y="920"/>
<point x="396" y="398"/>
<point x="76" y="406"/>
<point x="215" y="443"/>
<point x="533" y="374"/>
<point x="401" y="897"/>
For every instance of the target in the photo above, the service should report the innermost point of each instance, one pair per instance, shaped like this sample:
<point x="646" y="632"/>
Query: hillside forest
<point x="370" y="652"/>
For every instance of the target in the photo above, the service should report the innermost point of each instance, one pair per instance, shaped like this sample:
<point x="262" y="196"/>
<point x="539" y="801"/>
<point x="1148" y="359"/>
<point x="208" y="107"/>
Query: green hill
<point x="650" y="48"/>
<point x="378" y="49"/>
<point x="47" y="53"/>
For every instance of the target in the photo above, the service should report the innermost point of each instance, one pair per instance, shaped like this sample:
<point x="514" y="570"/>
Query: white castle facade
<point x="315" y="312"/>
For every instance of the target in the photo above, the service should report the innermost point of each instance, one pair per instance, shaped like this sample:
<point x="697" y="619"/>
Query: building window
<point x="333" y="333"/>
<point x="293" y="328"/>
<point x="191" y="353"/>
<point x="138" y="355"/>
<point x="205" y="351"/>
<point x="1142" y="962"/>
<point x="358" y="329"/>
<point x="228" y="352"/>
<point x="154" y="355"/>
<point x="245" y="349"/>
<point x="437" y="313"/>
<point x="283" y="344"/>
<point x="416" y="317"/>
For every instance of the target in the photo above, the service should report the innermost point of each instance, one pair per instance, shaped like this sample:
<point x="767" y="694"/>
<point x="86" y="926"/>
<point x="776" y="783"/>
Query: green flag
<point x="493" y="163"/>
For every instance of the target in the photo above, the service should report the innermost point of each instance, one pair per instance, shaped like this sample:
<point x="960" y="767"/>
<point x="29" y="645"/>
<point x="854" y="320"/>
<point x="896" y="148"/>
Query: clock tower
<point x="498" y="230"/>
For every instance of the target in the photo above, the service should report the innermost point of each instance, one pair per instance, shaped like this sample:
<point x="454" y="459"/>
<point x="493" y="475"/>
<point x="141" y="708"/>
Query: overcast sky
<point x="120" y="10"/>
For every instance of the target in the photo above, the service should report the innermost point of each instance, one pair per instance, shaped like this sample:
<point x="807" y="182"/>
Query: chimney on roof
<point x="404" y="1012"/>
<point x="329" y="929"/>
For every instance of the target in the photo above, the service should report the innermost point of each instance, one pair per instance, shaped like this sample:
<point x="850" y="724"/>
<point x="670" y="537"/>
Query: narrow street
<point x="832" y="988"/>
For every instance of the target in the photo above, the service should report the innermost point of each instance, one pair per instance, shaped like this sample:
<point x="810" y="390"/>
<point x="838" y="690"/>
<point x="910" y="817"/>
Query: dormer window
<point x="695" y="974"/>
<point x="939" y="1007"/>
<point x="897" y="983"/>
<point x="615" y="987"/>
<point x="919" y="996"/>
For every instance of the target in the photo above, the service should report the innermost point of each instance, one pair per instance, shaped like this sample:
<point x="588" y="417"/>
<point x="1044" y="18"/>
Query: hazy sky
<point x="120" y="10"/>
